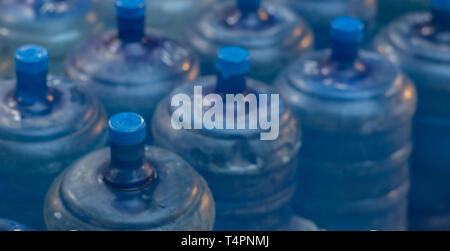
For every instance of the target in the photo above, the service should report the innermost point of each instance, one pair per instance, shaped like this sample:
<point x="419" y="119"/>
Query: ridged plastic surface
<point x="356" y="125"/>
<point x="179" y="199"/>
<point x="58" y="25"/>
<point x="35" y="148"/>
<point x="422" y="50"/>
<point x="274" y="35"/>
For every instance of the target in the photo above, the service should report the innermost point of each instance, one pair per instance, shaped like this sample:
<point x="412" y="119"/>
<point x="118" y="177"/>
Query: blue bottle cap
<point x="347" y="30"/>
<point x="232" y="61"/>
<point x="442" y="5"/>
<point x="127" y="129"/>
<point x="31" y="59"/>
<point x="248" y="5"/>
<point x="130" y="8"/>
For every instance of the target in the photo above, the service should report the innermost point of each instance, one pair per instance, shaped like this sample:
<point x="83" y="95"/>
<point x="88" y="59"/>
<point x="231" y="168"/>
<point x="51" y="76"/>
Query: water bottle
<point x="131" y="68"/>
<point x="46" y="123"/>
<point x="129" y="186"/>
<point x="420" y="44"/>
<point x="252" y="180"/>
<point x="9" y="225"/>
<point x="170" y="16"/>
<point x="319" y="14"/>
<point x="393" y="9"/>
<point x="355" y="109"/>
<point x="57" y="25"/>
<point x="271" y="32"/>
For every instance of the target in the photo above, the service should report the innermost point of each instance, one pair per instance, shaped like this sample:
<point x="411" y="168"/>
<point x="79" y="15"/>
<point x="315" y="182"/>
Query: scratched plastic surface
<point x="271" y="32"/>
<point x="420" y="44"/>
<point x="355" y="109"/>
<point x="129" y="186"/>
<point x="130" y="68"/>
<point x="9" y="225"/>
<point x="252" y="180"/>
<point x="58" y="25"/>
<point x="46" y="123"/>
<point x="170" y="16"/>
<point x="319" y="13"/>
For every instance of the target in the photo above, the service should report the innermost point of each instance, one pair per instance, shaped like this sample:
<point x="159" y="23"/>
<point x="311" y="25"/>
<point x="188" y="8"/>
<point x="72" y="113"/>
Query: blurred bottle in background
<point x="46" y="123"/>
<point x="355" y="109"/>
<point x="58" y="25"/>
<point x="252" y="180"/>
<point x="393" y="9"/>
<point x="130" y="68"/>
<point x="8" y="225"/>
<point x="319" y="13"/>
<point x="170" y="16"/>
<point x="272" y="33"/>
<point x="129" y="186"/>
<point x="420" y="44"/>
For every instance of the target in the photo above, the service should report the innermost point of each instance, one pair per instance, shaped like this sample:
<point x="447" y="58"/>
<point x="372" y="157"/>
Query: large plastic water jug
<point x="46" y="123"/>
<point x="252" y="180"/>
<point x="58" y="25"/>
<point x="355" y="109"/>
<point x="420" y="44"/>
<point x="272" y="33"/>
<point x="131" y="68"/>
<point x="129" y="186"/>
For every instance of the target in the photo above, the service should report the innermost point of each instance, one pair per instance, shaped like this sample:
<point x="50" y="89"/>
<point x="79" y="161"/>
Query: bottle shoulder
<point x="106" y="60"/>
<point x="72" y="113"/>
<point x="370" y="95"/>
<point x="415" y="37"/>
<point x="272" y="25"/>
<point x="177" y="191"/>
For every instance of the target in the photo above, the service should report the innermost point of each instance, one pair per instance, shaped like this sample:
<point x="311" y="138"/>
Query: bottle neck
<point x="441" y="19"/>
<point x="248" y="6"/>
<point x="31" y="88"/>
<point x="131" y="29"/>
<point x="129" y="169"/>
<point x="344" y="53"/>
<point x="231" y="85"/>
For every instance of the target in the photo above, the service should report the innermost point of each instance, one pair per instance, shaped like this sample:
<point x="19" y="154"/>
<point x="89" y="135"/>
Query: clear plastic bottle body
<point x="356" y="125"/>
<point x="35" y="148"/>
<point x="319" y="13"/>
<point x="178" y="198"/>
<point x="273" y="34"/>
<point x="252" y="180"/>
<point x="420" y="45"/>
<point x="57" y="25"/>
<point x="170" y="16"/>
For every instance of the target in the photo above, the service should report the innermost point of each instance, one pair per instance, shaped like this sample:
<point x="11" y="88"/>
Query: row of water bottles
<point x="347" y="130"/>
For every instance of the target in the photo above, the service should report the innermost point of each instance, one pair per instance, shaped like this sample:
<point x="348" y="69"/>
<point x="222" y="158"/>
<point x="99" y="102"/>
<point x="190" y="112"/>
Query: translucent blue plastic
<point x="8" y="225"/>
<point x="130" y="68"/>
<point x="252" y="181"/>
<point x="272" y="33"/>
<point x="319" y="13"/>
<point x="129" y="186"/>
<point x="46" y="123"/>
<point x="355" y="111"/>
<point x="420" y="44"/>
<point x="393" y="9"/>
<point x="170" y="16"/>
<point x="58" y="25"/>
